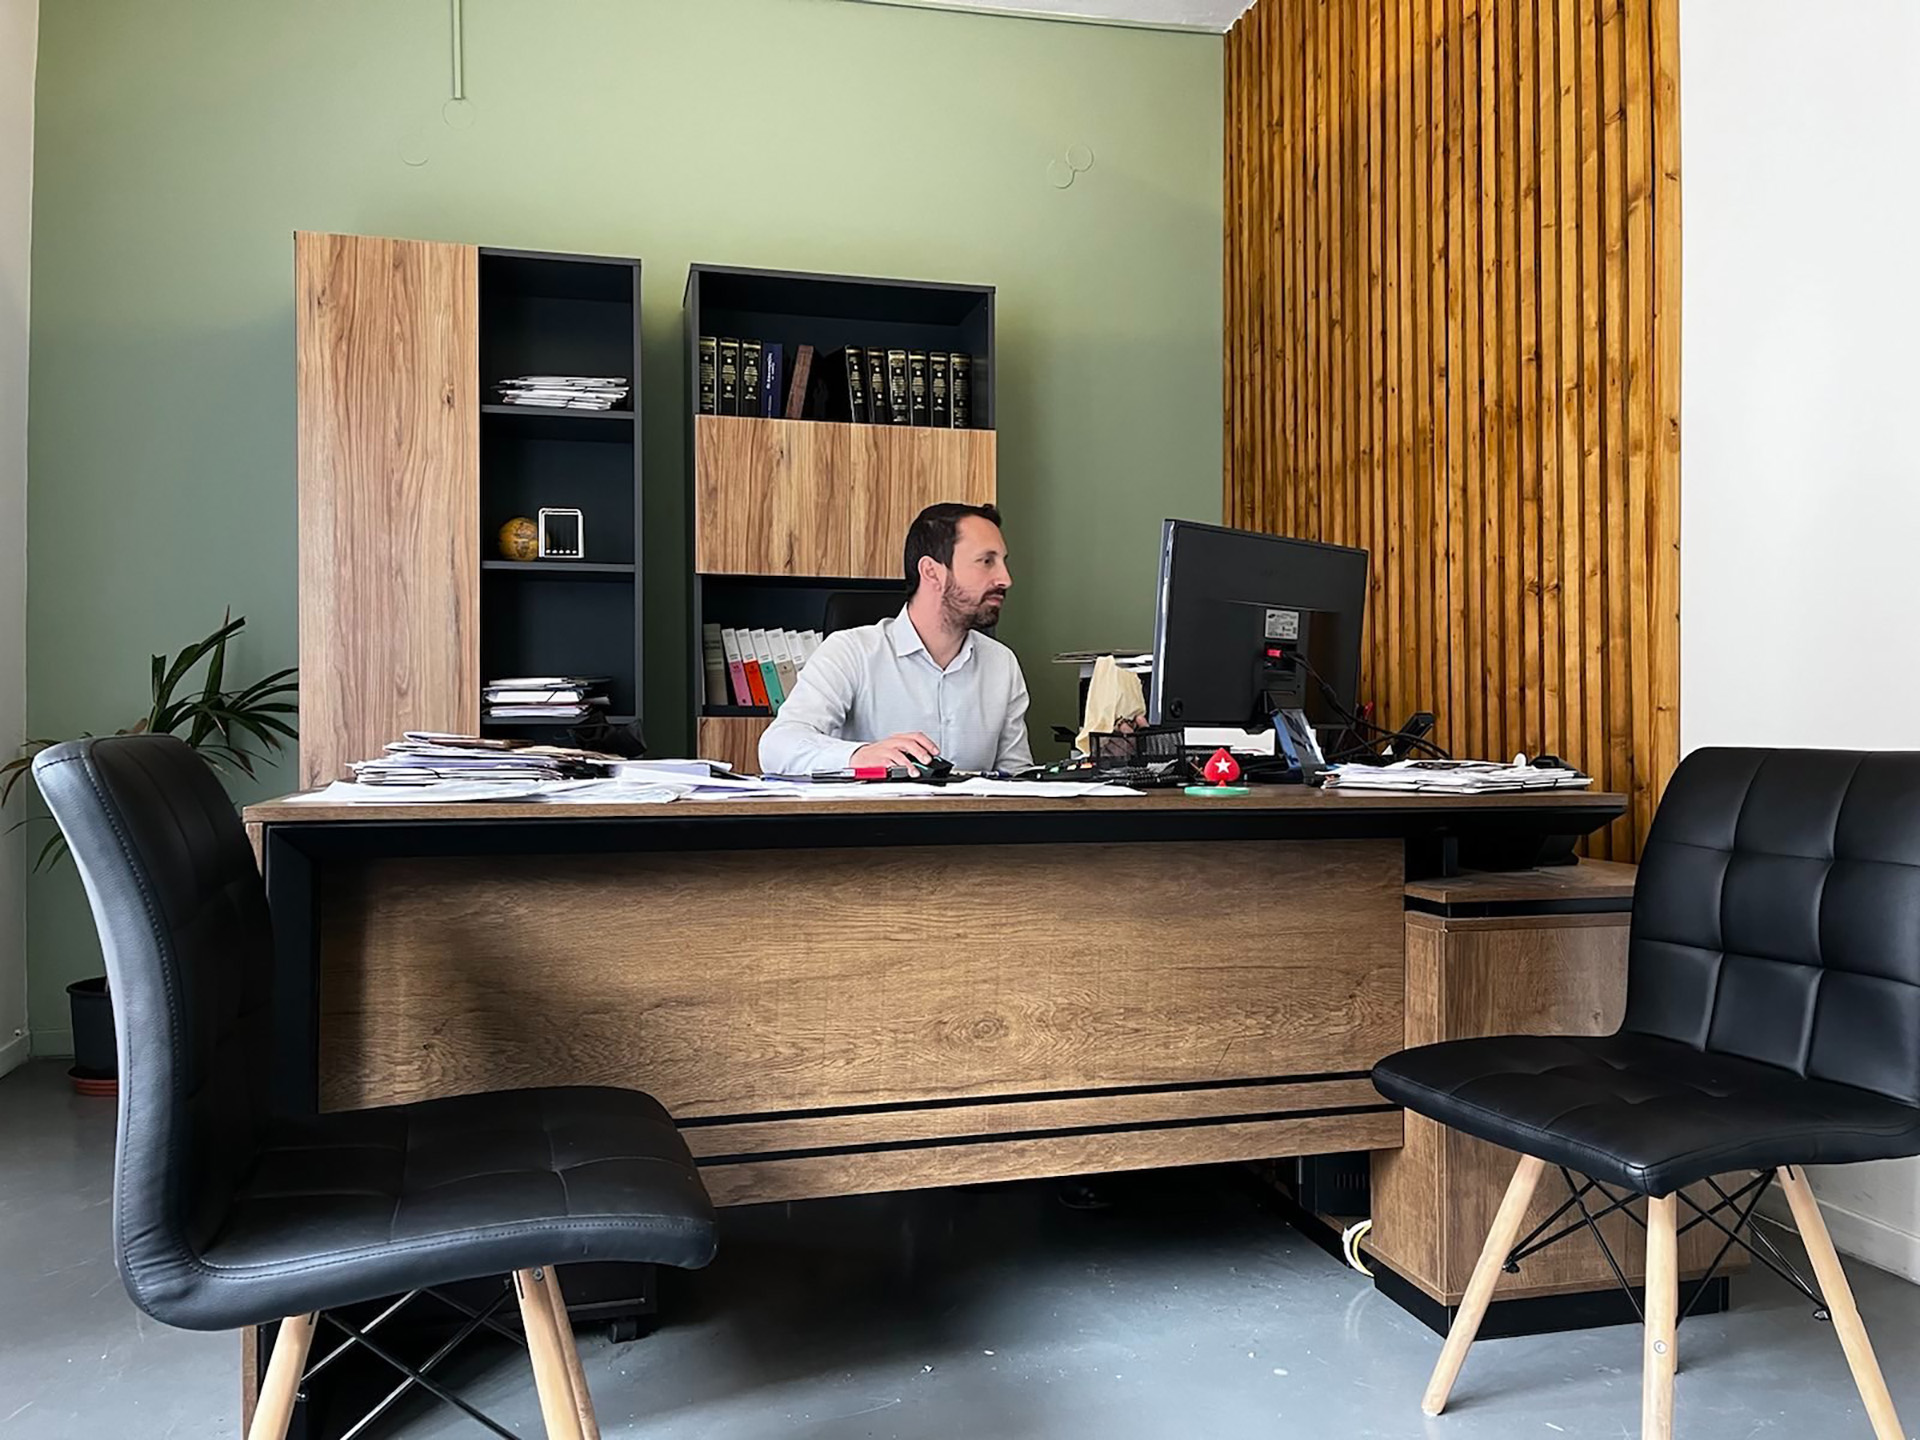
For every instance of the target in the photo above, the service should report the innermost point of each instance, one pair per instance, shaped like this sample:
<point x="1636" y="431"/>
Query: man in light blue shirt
<point x="923" y="683"/>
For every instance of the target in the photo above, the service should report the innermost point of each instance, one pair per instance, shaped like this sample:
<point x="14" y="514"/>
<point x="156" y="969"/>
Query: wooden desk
<point x="845" y="996"/>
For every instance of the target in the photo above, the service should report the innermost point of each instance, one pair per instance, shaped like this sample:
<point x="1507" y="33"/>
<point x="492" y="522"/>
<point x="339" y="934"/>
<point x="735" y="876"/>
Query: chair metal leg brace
<point x="419" y="1376"/>
<point x="459" y="1338"/>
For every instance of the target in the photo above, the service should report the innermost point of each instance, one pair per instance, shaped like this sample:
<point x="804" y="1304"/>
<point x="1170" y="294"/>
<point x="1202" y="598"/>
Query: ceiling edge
<point x="1061" y="18"/>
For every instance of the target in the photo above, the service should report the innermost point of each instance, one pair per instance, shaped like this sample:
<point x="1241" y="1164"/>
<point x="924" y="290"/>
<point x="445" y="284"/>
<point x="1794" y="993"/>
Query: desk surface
<point x="1586" y="809"/>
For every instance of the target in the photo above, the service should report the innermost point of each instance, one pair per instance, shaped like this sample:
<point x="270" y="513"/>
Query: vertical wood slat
<point x="1451" y="281"/>
<point x="1378" y="662"/>
<point x="1663" y="492"/>
<point x="1572" y="595"/>
<point x="1613" y="327"/>
<point x="1528" y="535"/>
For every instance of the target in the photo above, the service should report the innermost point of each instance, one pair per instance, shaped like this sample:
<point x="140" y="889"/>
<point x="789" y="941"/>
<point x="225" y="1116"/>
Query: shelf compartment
<point x="811" y="497"/>
<point x="543" y="422"/>
<point x="614" y="721"/>
<point x="559" y="569"/>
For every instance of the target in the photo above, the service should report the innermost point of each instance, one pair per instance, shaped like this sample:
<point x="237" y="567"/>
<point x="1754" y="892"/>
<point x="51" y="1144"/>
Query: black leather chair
<point x="226" y="1215"/>
<point x="1772" y="1022"/>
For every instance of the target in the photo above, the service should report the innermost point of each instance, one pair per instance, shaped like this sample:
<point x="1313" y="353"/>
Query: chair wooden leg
<point x="563" y="1328"/>
<point x="1839" y="1297"/>
<point x="1486" y="1274"/>
<point x="274" y="1410"/>
<point x="1663" y="1314"/>
<point x="557" y="1408"/>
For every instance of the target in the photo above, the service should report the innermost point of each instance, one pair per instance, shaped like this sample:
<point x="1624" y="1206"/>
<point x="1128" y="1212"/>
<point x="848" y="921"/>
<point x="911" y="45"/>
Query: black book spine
<point x="897" y="405"/>
<point x="749" y="377"/>
<point x="917" y="387"/>
<point x="876" y="385"/>
<point x="939" y="379"/>
<point x="962" y="388"/>
<point x="729" y="377"/>
<point x="856" y="385"/>
<point x="709" y="364"/>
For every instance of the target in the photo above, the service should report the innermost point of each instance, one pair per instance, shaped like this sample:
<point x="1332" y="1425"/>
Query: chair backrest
<point x="183" y="921"/>
<point x="848" y="609"/>
<point x="1777" y="914"/>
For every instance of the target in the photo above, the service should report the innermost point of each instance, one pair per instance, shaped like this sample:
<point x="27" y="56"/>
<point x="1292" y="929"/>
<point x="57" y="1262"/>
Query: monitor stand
<point x="1294" y="734"/>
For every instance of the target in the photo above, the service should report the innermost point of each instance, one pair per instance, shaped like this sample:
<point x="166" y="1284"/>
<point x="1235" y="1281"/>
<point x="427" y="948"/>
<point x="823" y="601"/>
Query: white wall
<point x="19" y="30"/>
<point x="1800" y="500"/>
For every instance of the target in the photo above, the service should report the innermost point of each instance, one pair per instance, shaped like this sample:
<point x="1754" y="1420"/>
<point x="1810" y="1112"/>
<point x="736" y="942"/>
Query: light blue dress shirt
<point x="873" y="681"/>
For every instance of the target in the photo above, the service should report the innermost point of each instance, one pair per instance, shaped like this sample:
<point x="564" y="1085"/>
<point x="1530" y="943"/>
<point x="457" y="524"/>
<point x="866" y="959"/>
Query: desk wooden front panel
<point x="832" y="1021"/>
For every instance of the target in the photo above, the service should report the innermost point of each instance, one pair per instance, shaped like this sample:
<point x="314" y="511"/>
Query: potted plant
<point x="222" y="726"/>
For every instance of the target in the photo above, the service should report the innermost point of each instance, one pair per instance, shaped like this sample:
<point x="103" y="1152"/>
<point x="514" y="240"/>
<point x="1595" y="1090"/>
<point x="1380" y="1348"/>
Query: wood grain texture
<point x="1086" y="1112"/>
<point x="1515" y="1206"/>
<point x="1838" y="1294"/>
<point x="1452" y="337"/>
<point x="1435" y="1198"/>
<point x="793" y="497"/>
<point x="540" y="1321"/>
<point x="388" y="398"/>
<point x="278" y="1392"/>
<point x="1589" y="880"/>
<point x="1094" y="967"/>
<point x="734" y="739"/>
<point x="1662" y="1315"/>
<point x="811" y="1177"/>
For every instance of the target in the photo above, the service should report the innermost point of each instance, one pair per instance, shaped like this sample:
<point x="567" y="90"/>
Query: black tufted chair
<point x="1772" y="1022"/>
<point x="226" y="1215"/>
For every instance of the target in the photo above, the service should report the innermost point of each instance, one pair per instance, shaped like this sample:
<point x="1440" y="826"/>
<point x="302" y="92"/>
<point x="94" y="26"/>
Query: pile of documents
<point x="562" y="699"/>
<point x="1455" y="777"/>
<point x="565" y="392"/>
<point x="423" y="758"/>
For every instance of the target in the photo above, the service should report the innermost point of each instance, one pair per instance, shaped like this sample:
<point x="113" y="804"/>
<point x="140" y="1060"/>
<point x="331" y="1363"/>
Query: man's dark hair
<point x="933" y="532"/>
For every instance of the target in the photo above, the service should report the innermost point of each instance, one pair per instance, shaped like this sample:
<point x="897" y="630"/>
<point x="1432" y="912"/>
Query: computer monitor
<point x="1237" y="611"/>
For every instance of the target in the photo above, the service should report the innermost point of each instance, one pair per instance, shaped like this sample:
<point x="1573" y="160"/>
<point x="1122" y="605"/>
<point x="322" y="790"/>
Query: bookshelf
<point x="543" y="313"/>
<point x="783" y="514"/>
<point x="408" y="467"/>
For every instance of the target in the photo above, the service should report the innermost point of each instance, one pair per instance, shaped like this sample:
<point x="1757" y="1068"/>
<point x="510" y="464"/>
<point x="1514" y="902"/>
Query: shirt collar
<point x="907" y="641"/>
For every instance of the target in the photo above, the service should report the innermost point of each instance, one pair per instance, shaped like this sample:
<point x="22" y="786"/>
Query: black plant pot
<point x="96" y="1067"/>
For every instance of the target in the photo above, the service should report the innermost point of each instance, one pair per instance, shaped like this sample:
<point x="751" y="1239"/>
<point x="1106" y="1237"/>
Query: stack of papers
<point x="565" y="392"/>
<point x="427" y="769"/>
<point x="1453" y="777"/>
<point x="563" y="699"/>
<point x="423" y="759"/>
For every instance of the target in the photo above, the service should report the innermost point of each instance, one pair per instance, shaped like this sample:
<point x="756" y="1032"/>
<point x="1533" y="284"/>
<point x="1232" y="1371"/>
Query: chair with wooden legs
<point x="1773" y="1022"/>
<point x="227" y="1215"/>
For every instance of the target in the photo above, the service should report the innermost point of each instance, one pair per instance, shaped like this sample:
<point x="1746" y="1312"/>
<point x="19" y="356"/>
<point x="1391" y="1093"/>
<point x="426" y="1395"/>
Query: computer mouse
<point x="938" y="768"/>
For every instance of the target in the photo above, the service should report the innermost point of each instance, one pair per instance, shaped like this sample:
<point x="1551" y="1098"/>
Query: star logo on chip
<point x="1222" y="768"/>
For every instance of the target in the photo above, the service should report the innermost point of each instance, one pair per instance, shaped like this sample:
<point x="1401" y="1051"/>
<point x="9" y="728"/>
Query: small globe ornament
<point x="520" y="539"/>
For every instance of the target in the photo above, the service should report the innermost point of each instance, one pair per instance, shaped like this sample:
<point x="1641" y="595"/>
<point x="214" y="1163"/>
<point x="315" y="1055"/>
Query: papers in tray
<point x="1453" y="777"/>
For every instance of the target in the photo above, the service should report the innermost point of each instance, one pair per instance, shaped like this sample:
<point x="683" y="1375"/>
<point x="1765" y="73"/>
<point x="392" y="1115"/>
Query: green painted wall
<point x="178" y="145"/>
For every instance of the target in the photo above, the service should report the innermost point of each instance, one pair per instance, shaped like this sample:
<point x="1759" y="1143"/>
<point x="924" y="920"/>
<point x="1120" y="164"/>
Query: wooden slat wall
<point x="1452" y="270"/>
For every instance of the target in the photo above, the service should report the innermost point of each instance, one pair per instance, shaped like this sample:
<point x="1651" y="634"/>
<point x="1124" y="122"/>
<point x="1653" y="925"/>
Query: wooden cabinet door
<point x="389" y="454"/>
<point x="804" y="497"/>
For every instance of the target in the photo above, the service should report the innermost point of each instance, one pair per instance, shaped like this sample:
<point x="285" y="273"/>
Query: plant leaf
<point x="51" y="852"/>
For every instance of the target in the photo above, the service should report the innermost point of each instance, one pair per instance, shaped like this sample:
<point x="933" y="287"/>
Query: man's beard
<point x="980" y="614"/>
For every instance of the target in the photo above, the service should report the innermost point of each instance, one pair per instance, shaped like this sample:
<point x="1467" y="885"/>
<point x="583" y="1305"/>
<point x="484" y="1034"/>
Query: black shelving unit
<point x="554" y="314"/>
<point x="793" y="308"/>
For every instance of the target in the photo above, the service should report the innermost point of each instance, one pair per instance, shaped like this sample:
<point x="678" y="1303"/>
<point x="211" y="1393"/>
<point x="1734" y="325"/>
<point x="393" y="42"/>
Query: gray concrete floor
<point x="1186" y="1309"/>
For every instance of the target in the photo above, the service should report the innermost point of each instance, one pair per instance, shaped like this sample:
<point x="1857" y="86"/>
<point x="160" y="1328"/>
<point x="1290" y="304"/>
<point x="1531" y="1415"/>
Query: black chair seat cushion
<point x="1643" y="1112"/>
<point x="349" y="1206"/>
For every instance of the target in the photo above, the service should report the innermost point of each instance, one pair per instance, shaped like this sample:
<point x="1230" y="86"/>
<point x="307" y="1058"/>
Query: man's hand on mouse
<point x="896" y="751"/>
